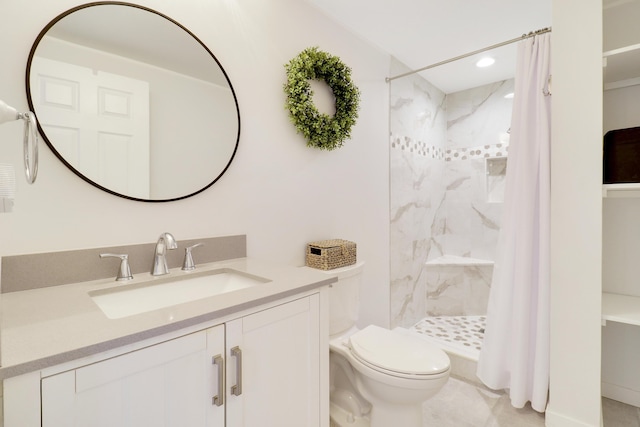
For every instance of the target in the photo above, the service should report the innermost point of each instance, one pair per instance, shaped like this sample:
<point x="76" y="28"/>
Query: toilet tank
<point x="344" y="297"/>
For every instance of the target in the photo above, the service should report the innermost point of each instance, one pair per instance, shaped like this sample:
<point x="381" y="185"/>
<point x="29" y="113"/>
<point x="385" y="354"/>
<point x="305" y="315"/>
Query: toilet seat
<point x="397" y="354"/>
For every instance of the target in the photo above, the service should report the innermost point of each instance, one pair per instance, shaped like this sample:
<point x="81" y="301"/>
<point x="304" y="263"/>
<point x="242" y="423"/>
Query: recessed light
<point x="509" y="95"/>
<point x="485" y="62"/>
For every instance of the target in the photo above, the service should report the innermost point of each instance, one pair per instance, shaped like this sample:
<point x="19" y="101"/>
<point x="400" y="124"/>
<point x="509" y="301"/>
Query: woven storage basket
<point x="330" y="254"/>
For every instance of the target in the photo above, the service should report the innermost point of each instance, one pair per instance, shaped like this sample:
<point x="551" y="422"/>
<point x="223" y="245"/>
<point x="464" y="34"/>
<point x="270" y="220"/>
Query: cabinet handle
<point x="218" y="399"/>
<point x="236" y="390"/>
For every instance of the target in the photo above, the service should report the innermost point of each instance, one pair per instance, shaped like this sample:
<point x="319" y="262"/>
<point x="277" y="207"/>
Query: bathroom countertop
<point x="49" y="326"/>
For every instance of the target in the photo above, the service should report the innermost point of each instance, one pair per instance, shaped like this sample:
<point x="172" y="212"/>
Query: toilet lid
<point x="397" y="352"/>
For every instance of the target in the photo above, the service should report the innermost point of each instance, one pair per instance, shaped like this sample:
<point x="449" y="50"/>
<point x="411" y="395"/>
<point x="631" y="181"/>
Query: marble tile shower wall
<point x="478" y="122"/>
<point x="418" y="128"/>
<point x="440" y="202"/>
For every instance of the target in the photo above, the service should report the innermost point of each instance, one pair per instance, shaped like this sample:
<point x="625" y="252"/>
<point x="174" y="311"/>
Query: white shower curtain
<point x="515" y="351"/>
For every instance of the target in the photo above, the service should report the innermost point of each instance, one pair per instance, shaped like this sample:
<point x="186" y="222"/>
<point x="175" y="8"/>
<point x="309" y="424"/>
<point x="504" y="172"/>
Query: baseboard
<point x="621" y="394"/>
<point x="555" y="419"/>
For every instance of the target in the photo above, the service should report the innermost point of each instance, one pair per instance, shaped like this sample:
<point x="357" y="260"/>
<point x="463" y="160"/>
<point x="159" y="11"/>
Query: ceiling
<point x="423" y="32"/>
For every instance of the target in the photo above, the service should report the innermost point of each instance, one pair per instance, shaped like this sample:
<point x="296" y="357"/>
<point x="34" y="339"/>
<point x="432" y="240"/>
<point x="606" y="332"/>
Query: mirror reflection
<point x="133" y="102"/>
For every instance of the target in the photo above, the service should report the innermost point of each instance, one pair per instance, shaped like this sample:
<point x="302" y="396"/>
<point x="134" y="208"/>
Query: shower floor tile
<point x="460" y="334"/>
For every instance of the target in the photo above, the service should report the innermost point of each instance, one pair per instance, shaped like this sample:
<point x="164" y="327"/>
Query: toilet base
<point x="341" y="418"/>
<point x="383" y="415"/>
<point x="409" y="416"/>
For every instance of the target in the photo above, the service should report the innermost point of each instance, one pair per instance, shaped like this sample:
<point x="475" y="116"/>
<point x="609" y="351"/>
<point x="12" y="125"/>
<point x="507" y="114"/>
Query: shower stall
<point x="448" y="159"/>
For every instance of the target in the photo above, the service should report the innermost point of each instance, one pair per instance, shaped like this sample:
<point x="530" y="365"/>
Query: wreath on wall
<point x="321" y="130"/>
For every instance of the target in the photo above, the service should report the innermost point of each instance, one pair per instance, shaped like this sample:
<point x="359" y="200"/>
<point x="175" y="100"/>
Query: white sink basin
<point x="167" y="291"/>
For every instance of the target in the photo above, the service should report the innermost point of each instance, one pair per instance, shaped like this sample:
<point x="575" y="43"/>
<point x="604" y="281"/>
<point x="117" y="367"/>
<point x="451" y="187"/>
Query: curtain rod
<point x="475" y="52"/>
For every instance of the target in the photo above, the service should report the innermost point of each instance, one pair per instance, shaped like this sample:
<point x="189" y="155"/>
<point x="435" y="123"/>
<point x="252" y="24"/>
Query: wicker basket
<point x="330" y="254"/>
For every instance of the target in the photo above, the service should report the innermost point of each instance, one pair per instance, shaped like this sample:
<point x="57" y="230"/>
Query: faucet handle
<point x="188" y="263"/>
<point x="124" y="272"/>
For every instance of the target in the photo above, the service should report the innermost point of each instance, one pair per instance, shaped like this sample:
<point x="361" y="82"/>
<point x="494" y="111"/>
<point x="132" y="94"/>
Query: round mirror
<point x="132" y="102"/>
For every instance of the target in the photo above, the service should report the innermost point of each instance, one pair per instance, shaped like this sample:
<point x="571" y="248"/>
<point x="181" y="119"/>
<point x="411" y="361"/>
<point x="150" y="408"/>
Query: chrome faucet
<point x="165" y="241"/>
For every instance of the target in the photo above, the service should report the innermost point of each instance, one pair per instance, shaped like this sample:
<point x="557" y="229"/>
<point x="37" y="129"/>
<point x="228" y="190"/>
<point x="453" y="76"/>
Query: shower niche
<point x="496" y="177"/>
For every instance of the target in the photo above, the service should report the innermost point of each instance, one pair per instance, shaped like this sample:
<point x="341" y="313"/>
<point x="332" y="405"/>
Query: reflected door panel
<point x="101" y="123"/>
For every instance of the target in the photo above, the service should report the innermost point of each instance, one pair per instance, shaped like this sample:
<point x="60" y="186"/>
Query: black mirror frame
<point x="62" y="159"/>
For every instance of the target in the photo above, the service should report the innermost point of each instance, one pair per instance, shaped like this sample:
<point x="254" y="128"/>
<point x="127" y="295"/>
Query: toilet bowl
<point x="392" y="372"/>
<point x="379" y="377"/>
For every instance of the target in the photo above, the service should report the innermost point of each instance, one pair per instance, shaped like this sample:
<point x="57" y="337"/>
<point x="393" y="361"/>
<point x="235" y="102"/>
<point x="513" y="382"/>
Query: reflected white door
<point x="101" y="123"/>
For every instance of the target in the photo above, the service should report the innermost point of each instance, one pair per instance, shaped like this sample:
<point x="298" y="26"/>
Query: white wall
<point x="576" y="214"/>
<point x="277" y="191"/>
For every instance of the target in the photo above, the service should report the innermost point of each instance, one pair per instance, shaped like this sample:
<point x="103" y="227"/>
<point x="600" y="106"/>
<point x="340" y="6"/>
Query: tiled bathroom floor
<point x="618" y="414"/>
<point x="465" y="402"/>
<point x="462" y="404"/>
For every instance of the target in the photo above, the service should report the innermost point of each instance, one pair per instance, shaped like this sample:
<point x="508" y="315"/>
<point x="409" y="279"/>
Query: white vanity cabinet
<point x="281" y="367"/>
<point x="260" y="369"/>
<point x="168" y="384"/>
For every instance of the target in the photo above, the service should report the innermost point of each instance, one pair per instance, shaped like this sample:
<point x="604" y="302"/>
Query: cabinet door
<point x="166" y="385"/>
<point x="280" y="350"/>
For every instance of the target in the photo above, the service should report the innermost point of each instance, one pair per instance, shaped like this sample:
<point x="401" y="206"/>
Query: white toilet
<point x="379" y="378"/>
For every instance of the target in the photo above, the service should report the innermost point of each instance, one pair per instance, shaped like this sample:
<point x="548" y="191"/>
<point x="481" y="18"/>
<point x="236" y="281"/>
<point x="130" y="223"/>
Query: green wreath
<point x="321" y="130"/>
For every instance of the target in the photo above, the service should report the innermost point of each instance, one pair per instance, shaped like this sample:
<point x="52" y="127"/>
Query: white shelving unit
<point x="616" y="307"/>
<point x="621" y="70"/>
<point x="620" y="298"/>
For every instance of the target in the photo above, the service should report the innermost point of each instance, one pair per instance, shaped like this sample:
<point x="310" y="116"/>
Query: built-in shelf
<point x="620" y="308"/>
<point x="455" y="260"/>
<point x="621" y="67"/>
<point x="621" y="190"/>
